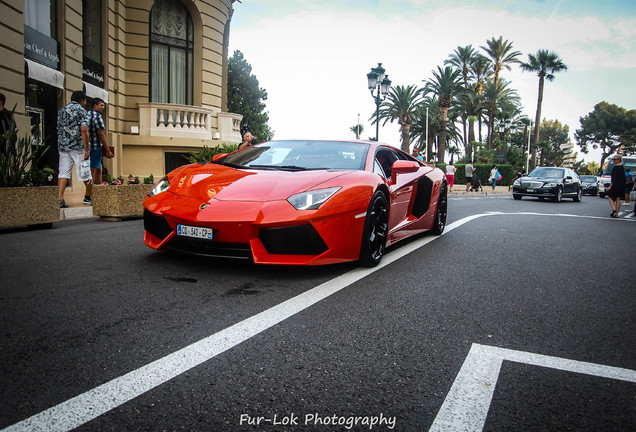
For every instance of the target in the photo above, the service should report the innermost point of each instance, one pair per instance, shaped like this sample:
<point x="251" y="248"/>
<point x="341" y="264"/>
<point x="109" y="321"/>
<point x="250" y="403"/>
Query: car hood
<point x="229" y="184"/>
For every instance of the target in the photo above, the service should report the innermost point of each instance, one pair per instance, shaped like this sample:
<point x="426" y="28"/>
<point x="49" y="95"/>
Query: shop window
<point x="92" y="23"/>
<point x="40" y="16"/>
<point x="171" y="53"/>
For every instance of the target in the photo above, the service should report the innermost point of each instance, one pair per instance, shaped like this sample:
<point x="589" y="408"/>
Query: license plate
<point x="530" y="190"/>
<point x="196" y="232"/>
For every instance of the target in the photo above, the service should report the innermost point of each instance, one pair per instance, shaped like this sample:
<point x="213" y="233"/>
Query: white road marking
<point x="468" y="401"/>
<point x="93" y="403"/>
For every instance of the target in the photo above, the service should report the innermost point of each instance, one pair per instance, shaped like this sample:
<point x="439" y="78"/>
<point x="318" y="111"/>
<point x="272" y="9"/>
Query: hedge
<point x="483" y="171"/>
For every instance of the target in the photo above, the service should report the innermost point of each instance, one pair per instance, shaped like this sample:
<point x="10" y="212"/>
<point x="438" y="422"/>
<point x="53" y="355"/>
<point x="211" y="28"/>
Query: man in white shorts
<point x="72" y="144"/>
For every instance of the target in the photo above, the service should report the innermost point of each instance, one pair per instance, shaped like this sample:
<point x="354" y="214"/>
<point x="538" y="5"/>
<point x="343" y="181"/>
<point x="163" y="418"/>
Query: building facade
<point x="160" y="65"/>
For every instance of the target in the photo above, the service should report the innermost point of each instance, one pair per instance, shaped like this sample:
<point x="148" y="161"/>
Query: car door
<point x="401" y="187"/>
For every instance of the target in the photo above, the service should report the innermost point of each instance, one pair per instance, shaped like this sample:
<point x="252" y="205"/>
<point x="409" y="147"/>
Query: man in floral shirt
<point x="72" y="143"/>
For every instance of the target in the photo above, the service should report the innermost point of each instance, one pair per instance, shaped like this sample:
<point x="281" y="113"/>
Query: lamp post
<point x="381" y="84"/>
<point x="528" y="155"/>
<point x="503" y="127"/>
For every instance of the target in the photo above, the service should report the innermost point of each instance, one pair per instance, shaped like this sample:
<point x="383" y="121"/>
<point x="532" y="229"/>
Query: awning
<point x="92" y="91"/>
<point x="44" y="74"/>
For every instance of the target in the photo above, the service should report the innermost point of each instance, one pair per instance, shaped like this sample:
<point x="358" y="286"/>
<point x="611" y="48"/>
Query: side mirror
<point x="403" y="167"/>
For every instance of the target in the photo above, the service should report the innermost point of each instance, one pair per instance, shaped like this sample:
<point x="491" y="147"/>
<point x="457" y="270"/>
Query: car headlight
<point x="549" y="185"/>
<point x="311" y="200"/>
<point x="162" y="186"/>
<point x="517" y="183"/>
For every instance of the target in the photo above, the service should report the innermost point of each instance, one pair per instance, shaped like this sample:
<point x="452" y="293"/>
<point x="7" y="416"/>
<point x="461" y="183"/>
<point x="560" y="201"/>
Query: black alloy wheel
<point x="441" y="212"/>
<point x="376" y="229"/>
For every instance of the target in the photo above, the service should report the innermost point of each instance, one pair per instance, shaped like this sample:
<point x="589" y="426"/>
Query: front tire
<point x="376" y="229"/>
<point x="441" y="212"/>
<point x="516" y="196"/>
<point x="559" y="195"/>
<point x="577" y="198"/>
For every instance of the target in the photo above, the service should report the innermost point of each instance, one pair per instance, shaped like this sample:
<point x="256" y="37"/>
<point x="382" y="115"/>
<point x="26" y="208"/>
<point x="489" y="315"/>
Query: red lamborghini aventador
<point x="297" y="202"/>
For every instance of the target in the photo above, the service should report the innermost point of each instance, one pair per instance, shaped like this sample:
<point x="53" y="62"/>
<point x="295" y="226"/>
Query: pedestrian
<point x="494" y="176"/>
<point x="629" y="185"/>
<point x="417" y="155"/>
<point x="469" y="169"/>
<point x="97" y="139"/>
<point x="517" y="176"/>
<point x="6" y="116"/>
<point x="72" y="144"/>
<point x="247" y="140"/>
<point x="616" y="189"/>
<point x="450" y="175"/>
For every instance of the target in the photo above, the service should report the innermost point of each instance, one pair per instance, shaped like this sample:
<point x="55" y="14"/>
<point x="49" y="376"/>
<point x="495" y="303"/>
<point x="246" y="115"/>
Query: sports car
<point x="300" y="202"/>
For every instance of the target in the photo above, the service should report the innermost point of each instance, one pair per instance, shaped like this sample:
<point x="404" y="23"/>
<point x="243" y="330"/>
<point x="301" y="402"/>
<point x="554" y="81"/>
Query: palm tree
<point x="461" y="59"/>
<point x="480" y="73"/>
<point x="446" y="85"/>
<point x="357" y="129"/>
<point x="501" y="55"/>
<point x="401" y="105"/>
<point x="419" y="126"/>
<point x="498" y="98"/>
<point x="545" y="63"/>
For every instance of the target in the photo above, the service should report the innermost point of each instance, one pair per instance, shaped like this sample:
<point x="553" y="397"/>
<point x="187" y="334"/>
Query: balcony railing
<point x="187" y="121"/>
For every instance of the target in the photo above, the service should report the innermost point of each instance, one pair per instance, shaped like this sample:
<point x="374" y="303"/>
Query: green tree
<point x="357" y="130"/>
<point x="245" y="97"/>
<point x="554" y="135"/>
<point x="545" y="64"/>
<point x="461" y="59"/>
<point x="501" y="56"/>
<point x="609" y="127"/>
<point x="446" y="85"/>
<point x="401" y="105"/>
<point x="497" y="99"/>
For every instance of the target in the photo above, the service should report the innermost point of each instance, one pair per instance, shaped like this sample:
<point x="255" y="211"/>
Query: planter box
<point x="115" y="203"/>
<point x="28" y="206"/>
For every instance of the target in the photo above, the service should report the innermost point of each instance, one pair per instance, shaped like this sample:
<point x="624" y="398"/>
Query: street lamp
<point x="381" y="84"/>
<point x="528" y="155"/>
<point x="504" y="126"/>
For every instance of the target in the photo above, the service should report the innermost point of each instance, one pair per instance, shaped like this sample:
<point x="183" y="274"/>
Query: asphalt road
<point x="520" y="317"/>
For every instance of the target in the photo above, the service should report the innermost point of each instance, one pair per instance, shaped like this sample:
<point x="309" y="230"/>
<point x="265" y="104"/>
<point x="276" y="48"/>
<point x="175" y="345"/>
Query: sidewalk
<point x="77" y="209"/>
<point x="460" y="189"/>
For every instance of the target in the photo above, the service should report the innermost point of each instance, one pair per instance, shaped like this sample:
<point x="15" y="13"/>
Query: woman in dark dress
<point x="616" y="188"/>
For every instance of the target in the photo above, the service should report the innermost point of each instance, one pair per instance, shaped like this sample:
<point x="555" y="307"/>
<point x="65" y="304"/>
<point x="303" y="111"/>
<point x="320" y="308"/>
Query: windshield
<point x="628" y="162"/>
<point x="588" y="179"/>
<point x="300" y="155"/>
<point x="547" y="173"/>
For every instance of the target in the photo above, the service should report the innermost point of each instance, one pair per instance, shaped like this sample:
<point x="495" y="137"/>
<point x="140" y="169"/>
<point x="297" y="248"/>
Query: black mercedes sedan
<point x="555" y="183"/>
<point x="590" y="184"/>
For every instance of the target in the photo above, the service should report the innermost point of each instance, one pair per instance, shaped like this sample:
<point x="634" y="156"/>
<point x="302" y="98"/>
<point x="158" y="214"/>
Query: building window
<point x="171" y="53"/>
<point x="92" y="20"/>
<point x="40" y="16"/>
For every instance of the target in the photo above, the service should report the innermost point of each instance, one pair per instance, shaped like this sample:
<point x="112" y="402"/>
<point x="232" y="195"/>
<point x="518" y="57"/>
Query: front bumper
<point x="267" y="233"/>
<point x="538" y="192"/>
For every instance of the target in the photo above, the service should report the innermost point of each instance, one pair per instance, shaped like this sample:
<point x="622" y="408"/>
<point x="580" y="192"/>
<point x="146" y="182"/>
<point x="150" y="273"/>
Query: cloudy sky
<point x="312" y="56"/>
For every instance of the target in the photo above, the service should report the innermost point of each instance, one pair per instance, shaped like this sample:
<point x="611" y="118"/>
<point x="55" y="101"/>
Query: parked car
<point x="555" y="183"/>
<point x="300" y="202"/>
<point x="590" y="184"/>
<point x="606" y="176"/>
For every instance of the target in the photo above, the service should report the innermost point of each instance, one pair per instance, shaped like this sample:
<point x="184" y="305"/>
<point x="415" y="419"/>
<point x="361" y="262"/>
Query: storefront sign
<point x="41" y="48"/>
<point x="93" y="72"/>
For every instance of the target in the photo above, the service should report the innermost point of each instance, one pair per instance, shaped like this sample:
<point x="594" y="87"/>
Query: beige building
<point x="161" y="66"/>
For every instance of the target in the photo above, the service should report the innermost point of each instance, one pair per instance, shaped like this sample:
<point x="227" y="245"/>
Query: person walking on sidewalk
<point x="616" y="190"/>
<point x="450" y="175"/>
<point x="469" y="169"/>
<point x="97" y="139"/>
<point x="494" y="176"/>
<point x="72" y="143"/>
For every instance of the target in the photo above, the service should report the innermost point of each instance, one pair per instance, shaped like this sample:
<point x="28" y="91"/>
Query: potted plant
<point x="25" y="200"/>
<point x="118" y="198"/>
